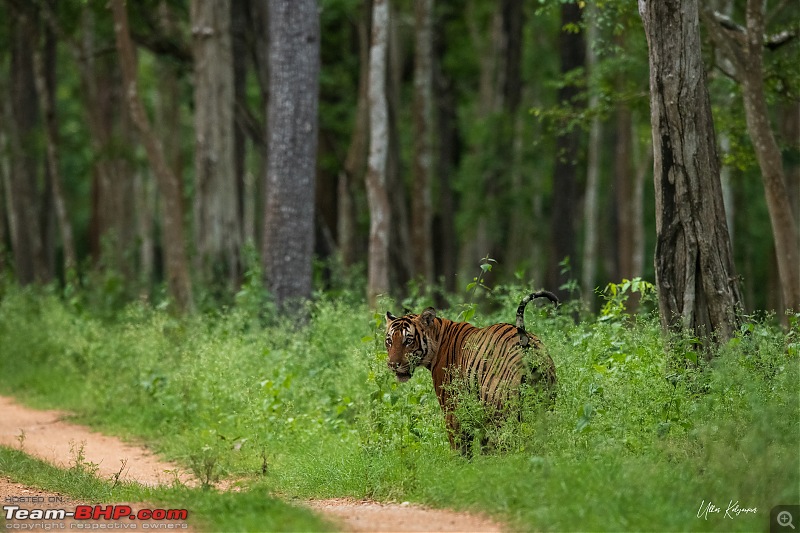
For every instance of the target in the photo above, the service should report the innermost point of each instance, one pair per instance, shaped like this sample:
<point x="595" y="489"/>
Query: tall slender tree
<point x="590" y="213"/>
<point x="24" y="190"/>
<point x="217" y="229"/>
<point x="294" y="68"/>
<point x="422" y="203"/>
<point x="44" y="69"/>
<point x="174" y="241"/>
<point x="377" y="194"/>
<point x="744" y="49"/>
<point x="695" y="276"/>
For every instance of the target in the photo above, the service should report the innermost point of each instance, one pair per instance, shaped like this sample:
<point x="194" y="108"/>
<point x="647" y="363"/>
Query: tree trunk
<point x="352" y="173"/>
<point x="623" y="192"/>
<point x="790" y="131"/>
<point x="743" y="49"/>
<point x="111" y="225"/>
<point x="174" y="242"/>
<point x="568" y="154"/>
<point x="400" y="260"/>
<point x="377" y="194"/>
<point x="217" y="228"/>
<point x="6" y="208"/>
<point x="46" y="92"/>
<point x="769" y="158"/>
<point x="590" y="209"/>
<point x="25" y="224"/>
<point x="447" y="160"/>
<point x="695" y="276"/>
<point x="294" y="66"/>
<point x="421" y="205"/>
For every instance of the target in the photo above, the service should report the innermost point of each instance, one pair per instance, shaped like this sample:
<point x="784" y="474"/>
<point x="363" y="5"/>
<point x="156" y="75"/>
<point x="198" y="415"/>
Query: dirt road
<point x="46" y="435"/>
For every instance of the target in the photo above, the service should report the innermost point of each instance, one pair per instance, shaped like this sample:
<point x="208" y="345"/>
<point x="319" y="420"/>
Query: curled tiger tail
<point x="523" y="337"/>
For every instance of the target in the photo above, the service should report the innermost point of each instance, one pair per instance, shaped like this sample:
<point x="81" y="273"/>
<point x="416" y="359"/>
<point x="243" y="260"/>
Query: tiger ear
<point x="427" y="316"/>
<point x="390" y="317"/>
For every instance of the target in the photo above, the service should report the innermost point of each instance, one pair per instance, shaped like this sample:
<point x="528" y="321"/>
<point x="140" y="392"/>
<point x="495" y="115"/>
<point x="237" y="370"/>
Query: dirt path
<point x="44" y="434"/>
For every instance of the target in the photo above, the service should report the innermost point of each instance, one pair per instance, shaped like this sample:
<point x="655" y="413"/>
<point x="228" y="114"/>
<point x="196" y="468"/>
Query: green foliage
<point x="640" y="433"/>
<point x="478" y="282"/>
<point x="617" y="295"/>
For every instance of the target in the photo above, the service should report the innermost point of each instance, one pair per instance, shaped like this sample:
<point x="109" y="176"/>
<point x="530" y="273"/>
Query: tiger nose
<point x="392" y="365"/>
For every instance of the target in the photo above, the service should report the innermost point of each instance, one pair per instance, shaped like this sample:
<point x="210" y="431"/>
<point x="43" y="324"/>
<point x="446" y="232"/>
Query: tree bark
<point x="695" y="276"/>
<point x="625" y="222"/>
<point x="217" y="228"/>
<point x="377" y="194"/>
<point x="294" y="66"/>
<point x="174" y="242"/>
<point x="400" y="260"/>
<point x="355" y="163"/>
<point x="447" y="160"/>
<point x="590" y="210"/>
<point x="46" y="92"/>
<point x="25" y="224"/>
<point x="769" y="158"/>
<point x="422" y="202"/>
<point x="743" y="48"/>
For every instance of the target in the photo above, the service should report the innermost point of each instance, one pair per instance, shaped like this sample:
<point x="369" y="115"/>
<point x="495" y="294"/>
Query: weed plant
<point x="643" y="432"/>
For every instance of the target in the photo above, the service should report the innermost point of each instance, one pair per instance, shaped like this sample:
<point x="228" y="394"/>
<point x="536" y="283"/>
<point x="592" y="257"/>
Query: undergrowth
<point x="641" y="434"/>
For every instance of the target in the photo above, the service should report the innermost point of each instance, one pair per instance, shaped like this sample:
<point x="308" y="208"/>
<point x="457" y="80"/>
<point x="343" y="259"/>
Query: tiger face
<point x="407" y="344"/>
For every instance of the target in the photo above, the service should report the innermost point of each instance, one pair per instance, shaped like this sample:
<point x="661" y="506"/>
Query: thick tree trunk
<point x="174" y="242"/>
<point x="377" y="194"/>
<point x="294" y="66"/>
<point x="695" y="276"/>
<point x="217" y="222"/>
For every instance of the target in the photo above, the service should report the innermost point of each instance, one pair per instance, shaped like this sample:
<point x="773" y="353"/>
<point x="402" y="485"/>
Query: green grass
<point x="249" y="510"/>
<point x="641" y="434"/>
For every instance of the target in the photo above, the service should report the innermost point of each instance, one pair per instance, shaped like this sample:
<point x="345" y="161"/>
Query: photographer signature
<point x="733" y="510"/>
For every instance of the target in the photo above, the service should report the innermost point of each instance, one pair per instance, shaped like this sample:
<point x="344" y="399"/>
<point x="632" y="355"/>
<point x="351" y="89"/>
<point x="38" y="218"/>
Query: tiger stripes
<point x="494" y="360"/>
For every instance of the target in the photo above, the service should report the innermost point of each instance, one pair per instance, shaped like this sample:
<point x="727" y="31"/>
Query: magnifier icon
<point x="785" y="519"/>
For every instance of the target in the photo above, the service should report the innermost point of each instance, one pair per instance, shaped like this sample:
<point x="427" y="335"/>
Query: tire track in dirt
<point x="47" y="436"/>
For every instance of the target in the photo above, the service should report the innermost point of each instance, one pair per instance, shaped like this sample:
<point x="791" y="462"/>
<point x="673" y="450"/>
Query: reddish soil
<point x="46" y="435"/>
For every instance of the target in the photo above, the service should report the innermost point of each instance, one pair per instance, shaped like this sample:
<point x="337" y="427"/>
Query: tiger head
<point x="408" y="342"/>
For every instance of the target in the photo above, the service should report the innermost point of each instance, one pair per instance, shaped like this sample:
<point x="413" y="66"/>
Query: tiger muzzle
<point x="402" y="372"/>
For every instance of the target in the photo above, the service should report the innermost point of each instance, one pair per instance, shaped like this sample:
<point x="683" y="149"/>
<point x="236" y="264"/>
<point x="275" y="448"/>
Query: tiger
<point x="497" y="359"/>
